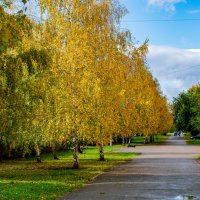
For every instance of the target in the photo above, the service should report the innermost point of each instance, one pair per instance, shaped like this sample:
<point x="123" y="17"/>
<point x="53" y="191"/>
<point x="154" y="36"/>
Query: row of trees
<point x="187" y="110"/>
<point x="72" y="75"/>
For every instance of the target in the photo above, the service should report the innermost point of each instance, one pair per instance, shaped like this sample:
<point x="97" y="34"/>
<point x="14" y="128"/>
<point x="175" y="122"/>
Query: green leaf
<point x="24" y="1"/>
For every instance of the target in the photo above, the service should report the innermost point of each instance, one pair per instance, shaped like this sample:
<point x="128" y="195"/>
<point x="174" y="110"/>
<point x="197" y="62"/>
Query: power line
<point x="161" y="20"/>
<point x="187" y="68"/>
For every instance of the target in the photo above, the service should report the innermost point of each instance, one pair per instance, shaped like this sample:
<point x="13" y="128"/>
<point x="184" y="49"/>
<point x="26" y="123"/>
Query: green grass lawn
<point x="138" y="140"/>
<point x="26" y="179"/>
<point x="191" y="141"/>
<point x="198" y="159"/>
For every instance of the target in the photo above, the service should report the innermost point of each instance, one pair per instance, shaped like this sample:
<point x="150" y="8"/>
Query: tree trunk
<point x="37" y="151"/>
<point x="101" y="153"/>
<point x="123" y="142"/>
<point x="129" y="140"/>
<point x="9" y="151"/>
<point x="23" y="151"/>
<point x="116" y="140"/>
<point x="79" y="148"/>
<point x="54" y="151"/>
<point x="111" y="140"/>
<point x="75" y="156"/>
<point x="151" y="139"/>
<point x="145" y="140"/>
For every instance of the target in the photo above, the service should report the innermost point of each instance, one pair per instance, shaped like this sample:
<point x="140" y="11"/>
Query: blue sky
<point x="174" y="46"/>
<point x="181" y="34"/>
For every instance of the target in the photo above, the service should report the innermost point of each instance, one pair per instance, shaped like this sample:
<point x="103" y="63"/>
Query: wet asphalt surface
<point x="165" y="172"/>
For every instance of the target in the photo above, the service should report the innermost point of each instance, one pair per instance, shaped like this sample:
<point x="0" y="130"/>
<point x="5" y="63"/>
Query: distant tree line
<point x="186" y="109"/>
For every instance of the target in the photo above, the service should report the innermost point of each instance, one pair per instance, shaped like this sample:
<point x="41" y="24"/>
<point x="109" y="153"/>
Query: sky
<point x="173" y="30"/>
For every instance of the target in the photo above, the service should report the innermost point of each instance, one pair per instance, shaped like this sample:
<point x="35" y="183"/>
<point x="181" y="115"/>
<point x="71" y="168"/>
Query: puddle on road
<point x="185" y="197"/>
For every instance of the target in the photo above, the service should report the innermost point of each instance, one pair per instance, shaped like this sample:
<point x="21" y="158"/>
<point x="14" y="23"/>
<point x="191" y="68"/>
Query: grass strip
<point x="158" y="139"/>
<point x="191" y="141"/>
<point x="26" y="179"/>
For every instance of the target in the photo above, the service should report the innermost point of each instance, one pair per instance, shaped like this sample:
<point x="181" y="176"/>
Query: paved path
<point x="164" y="172"/>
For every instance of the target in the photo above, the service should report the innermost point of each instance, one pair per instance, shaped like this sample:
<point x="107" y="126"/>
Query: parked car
<point x="195" y="137"/>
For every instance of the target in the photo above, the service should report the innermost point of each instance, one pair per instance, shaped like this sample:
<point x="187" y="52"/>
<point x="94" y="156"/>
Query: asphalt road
<point x="165" y="172"/>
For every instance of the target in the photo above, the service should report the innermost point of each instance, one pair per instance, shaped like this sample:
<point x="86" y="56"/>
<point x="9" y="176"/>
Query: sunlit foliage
<point x="71" y="75"/>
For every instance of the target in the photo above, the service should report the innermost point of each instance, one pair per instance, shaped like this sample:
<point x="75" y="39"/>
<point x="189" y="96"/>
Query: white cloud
<point x="178" y="84"/>
<point x="168" y="5"/>
<point x="176" y="69"/>
<point x="194" y="50"/>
